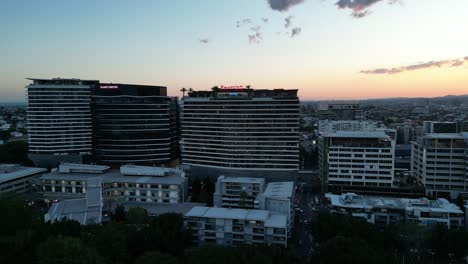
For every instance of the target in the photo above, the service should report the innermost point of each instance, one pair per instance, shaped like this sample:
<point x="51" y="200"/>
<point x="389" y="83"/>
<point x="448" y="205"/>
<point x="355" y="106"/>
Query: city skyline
<point x="327" y="49"/>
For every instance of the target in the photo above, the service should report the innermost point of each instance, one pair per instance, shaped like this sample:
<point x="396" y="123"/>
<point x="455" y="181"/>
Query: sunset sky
<point x="329" y="49"/>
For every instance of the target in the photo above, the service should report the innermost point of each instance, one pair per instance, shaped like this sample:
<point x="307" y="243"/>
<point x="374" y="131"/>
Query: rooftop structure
<point x="17" y="178"/>
<point x="385" y="210"/>
<point x="228" y="226"/>
<point x="82" y="168"/>
<point x="85" y="210"/>
<point x="149" y="171"/>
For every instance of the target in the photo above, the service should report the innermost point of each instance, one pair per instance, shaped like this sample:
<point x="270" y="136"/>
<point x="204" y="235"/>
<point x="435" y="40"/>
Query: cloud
<point x="288" y="21"/>
<point x="242" y="22"/>
<point x="265" y="20"/>
<point x="419" y="66"/>
<point x="204" y="40"/>
<point x="283" y="5"/>
<point x="256" y="37"/>
<point x="359" y="8"/>
<point x="295" y="31"/>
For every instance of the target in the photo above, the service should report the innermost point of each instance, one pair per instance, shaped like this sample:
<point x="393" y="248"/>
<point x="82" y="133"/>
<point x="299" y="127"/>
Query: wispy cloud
<point x="295" y="31"/>
<point x="419" y="66"/>
<point x="265" y="20"/>
<point x="359" y="8"/>
<point x="283" y="5"/>
<point x="242" y="22"/>
<point x="204" y="40"/>
<point x="256" y="37"/>
<point x="288" y="21"/>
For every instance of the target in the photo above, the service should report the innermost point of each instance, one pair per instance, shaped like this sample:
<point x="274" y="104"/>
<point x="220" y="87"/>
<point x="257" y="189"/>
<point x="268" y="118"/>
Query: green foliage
<point x="61" y="250"/>
<point x="14" y="152"/>
<point x="137" y="216"/>
<point x="154" y="257"/>
<point x="119" y="214"/>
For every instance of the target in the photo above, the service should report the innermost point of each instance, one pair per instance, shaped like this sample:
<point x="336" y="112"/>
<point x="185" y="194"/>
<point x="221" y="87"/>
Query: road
<point x="306" y="214"/>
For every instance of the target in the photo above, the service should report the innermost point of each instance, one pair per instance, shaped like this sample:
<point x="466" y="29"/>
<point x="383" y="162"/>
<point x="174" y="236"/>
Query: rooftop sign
<point x="233" y="87"/>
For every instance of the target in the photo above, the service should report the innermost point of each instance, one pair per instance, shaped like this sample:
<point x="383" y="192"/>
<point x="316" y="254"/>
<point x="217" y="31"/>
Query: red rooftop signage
<point x="231" y="87"/>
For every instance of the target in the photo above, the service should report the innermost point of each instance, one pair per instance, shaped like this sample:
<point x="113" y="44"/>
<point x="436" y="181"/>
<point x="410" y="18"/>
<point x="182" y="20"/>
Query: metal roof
<point x="10" y="172"/>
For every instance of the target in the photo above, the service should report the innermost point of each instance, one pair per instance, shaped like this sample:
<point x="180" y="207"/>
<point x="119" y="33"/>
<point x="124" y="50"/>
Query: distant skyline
<point x="328" y="49"/>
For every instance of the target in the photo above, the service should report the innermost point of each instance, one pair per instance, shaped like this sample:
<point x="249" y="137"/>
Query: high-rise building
<point x="233" y="129"/>
<point x="114" y="124"/>
<point x="331" y="126"/>
<point x="135" y="124"/>
<point x="356" y="159"/>
<point x="440" y="163"/>
<point x="59" y="120"/>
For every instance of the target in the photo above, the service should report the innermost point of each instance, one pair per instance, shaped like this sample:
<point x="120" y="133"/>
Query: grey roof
<point x="351" y="200"/>
<point x="447" y="135"/>
<point x="75" y="209"/>
<point x="155" y="209"/>
<point x="271" y="220"/>
<point x="14" y="171"/>
<point x="279" y="189"/>
<point x="241" y="179"/>
<point x="114" y="177"/>
<point x="357" y="134"/>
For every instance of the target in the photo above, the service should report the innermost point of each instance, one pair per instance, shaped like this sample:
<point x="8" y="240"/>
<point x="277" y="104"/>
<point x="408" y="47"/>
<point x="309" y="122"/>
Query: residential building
<point x="134" y="124"/>
<point x="231" y="227"/>
<point x="59" y="120"/>
<point x="440" y="163"/>
<point x="86" y="210"/>
<point x="278" y="198"/>
<point x="129" y="184"/>
<point x="237" y="192"/>
<point x="386" y="211"/>
<point x="231" y="130"/>
<point x="332" y="126"/>
<point x="17" y="179"/>
<point x="430" y="127"/>
<point x="339" y="110"/>
<point x="357" y="159"/>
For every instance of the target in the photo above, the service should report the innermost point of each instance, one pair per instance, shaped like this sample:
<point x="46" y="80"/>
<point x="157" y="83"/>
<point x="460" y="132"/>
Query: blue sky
<point x="158" y="42"/>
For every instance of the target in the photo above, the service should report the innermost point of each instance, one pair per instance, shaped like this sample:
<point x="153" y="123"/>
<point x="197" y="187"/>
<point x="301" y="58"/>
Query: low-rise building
<point x="129" y="184"/>
<point x="237" y="192"/>
<point x="17" y="179"/>
<point x="278" y="197"/>
<point x="226" y="226"/>
<point x="86" y="210"/>
<point x="385" y="210"/>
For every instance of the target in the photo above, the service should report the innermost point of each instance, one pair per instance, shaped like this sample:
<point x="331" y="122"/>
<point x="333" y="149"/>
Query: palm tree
<point x="183" y="90"/>
<point x="247" y="86"/>
<point x="190" y="90"/>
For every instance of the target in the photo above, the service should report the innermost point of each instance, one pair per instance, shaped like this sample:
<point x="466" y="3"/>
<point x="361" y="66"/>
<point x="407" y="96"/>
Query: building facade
<point x="129" y="184"/>
<point x="440" y="163"/>
<point x="231" y="227"/>
<point x="228" y="130"/>
<point x="135" y="124"/>
<point x="237" y="192"/>
<point x="332" y="126"/>
<point x="59" y="120"/>
<point x="359" y="159"/>
<point x="18" y="179"/>
<point x="386" y="211"/>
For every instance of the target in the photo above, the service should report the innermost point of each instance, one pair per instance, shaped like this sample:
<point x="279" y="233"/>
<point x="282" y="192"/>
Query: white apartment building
<point x="278" y="197"/>
<point x="226" y="226"/>
<point x="332" y="126"/>
<point x="363" y="159"/>
<point x="385" y="210"/>
<point x="231" y="129"/>
<point x="129" y="184"/>
<point x="17" y="179"/>
<point x="440" y="163"/>
<point x="237" y="192"/>
<point x="59" y="120"/>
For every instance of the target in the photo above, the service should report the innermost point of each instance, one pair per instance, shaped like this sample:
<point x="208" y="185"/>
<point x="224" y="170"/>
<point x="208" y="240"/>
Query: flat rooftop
<point x="10" y="172"/>
<point x="463" y="135"/>
<point x="354" y="201"/>
<point x="270" y="220"/>
<point x="279" y="189"/>
<point x="357" y="134"/>
<point x="113" y="176"/>
<point x="241" y="179"/>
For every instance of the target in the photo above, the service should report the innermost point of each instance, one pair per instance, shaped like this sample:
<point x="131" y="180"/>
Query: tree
<point x="137" y="216"/>
<point x="183" y="90"/>
<point x="347" y="250"/>
<point x="243" y="199"/>
<point x="62" y="250"/>
<point x="155" y="257"/>
<point x="460" y="202"/>
<point x="119" y="214"/>
<point x="14" y="152"/>
<point x="111" y="243"/>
